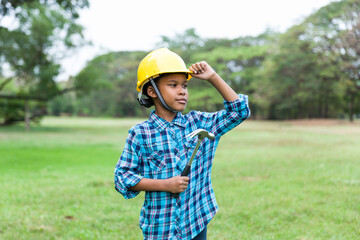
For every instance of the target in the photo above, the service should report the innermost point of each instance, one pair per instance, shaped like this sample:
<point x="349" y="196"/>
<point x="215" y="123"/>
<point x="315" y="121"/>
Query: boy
<point x="157" y="150"/>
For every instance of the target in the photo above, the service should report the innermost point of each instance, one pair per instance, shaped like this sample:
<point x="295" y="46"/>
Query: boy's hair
<point x="145" y="88"/>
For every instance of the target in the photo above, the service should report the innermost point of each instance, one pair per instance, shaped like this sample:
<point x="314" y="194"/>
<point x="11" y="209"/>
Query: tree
<point x="291" y="86"/>
<point x="237" y="61"/>
<point x="313" y="69"/>
<point x="110" y="81"/>
<point x="336" y="31"/>
<point x="41" y="34"/>
<point x="184" y="44"/>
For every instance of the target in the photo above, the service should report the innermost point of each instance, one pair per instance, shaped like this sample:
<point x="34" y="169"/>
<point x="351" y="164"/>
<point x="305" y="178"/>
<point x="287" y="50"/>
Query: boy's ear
<point x="151" y="92"/>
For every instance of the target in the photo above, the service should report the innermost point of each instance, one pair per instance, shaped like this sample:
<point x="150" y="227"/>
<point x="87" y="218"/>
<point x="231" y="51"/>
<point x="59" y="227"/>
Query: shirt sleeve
<point x="128" y="169"/>
<point x="223" y="121"/>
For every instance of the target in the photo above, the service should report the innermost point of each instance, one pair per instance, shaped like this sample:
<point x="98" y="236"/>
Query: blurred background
<point x="68" y="98"/>
<point x="295" y="60"/>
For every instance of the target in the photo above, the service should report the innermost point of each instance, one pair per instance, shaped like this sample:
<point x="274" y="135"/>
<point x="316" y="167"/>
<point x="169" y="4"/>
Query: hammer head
<point x="201" y="133"/>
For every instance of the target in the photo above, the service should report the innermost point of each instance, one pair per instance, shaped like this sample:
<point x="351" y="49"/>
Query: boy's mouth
<point x="182" y="100"/>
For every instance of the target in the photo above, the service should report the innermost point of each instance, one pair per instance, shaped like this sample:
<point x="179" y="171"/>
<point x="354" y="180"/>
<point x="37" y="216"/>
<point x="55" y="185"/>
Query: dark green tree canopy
<point x="40" y="34"/>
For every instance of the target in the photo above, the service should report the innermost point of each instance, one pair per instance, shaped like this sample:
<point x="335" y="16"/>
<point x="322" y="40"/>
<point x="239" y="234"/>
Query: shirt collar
<point x="160" y="123"/>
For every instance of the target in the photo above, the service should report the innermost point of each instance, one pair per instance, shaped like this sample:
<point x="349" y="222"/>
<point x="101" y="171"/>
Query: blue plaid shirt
<point x="158" y="149"/>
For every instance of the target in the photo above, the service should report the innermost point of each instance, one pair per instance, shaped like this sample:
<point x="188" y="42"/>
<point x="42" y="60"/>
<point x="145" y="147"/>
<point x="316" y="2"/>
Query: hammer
<point x="201" y="133"/>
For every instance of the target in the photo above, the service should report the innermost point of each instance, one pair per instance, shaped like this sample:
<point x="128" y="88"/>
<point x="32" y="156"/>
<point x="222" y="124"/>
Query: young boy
<point x="157" y="150"/>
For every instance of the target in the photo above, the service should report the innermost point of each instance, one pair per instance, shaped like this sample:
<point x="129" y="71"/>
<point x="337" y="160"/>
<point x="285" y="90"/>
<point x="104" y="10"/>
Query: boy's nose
<point x="182" y="92"/>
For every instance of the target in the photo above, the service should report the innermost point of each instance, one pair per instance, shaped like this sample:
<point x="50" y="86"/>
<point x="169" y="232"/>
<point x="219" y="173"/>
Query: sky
<point x="116" y="25"/>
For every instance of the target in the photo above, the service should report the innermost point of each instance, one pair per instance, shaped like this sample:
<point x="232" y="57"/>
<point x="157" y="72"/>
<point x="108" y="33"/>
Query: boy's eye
<point x="175" y="85"/>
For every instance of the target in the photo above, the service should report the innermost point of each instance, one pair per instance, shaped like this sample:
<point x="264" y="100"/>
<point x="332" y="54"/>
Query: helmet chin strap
<point x="160" y="97"/>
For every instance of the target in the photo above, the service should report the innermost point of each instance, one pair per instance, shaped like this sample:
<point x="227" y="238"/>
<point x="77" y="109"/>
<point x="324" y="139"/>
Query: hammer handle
<point x="185" y="172"/>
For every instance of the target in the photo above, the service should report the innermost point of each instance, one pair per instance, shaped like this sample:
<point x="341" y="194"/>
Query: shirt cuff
<point x="126" y="181"/>
<point x="238" y="105"/>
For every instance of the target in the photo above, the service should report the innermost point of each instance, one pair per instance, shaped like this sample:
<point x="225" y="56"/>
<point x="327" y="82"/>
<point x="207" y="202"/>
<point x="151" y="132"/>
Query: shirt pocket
<point x="156" y="161"/>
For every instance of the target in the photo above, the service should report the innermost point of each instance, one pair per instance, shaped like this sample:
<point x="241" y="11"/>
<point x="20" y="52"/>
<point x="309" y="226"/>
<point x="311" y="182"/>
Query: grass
<point x="273" y="180"/>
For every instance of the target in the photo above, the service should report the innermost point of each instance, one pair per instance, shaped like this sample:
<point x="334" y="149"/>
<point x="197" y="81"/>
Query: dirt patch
<point x="69" y="217"/>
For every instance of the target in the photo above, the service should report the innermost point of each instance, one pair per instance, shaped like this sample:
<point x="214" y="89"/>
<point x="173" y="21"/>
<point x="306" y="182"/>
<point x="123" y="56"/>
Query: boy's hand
<point x="178" y="184"/>
<point x="202" y="70"/>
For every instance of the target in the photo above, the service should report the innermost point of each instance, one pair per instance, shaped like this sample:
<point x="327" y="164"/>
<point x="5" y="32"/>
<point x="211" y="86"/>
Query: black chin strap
<point x="160" y="97"/>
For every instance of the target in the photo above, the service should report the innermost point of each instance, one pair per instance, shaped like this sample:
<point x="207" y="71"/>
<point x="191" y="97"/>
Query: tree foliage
<point x="312" y="70"/>
<point x="110" y="82"/>
<point x="40" y="35"/>
<point x="336" y="28"/>
<point x="309" y="71"/>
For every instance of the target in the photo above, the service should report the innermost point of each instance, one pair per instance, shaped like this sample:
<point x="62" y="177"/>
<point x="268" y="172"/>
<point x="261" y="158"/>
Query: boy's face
<point x="173" y="88"/>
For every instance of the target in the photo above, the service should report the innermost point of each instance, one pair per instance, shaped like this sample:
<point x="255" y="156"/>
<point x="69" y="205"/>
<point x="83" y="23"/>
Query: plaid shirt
<point x="158" y="149"/>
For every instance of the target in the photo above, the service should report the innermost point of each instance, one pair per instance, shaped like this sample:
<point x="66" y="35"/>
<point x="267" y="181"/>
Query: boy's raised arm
<point x="204" y="71"/>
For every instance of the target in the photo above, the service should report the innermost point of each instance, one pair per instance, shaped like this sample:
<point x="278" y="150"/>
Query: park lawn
<point x="273" y="180"/>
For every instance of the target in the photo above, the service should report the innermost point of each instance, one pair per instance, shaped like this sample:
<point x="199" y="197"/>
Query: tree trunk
<point x="27" y="116"/>
<point x="351" y="107"/>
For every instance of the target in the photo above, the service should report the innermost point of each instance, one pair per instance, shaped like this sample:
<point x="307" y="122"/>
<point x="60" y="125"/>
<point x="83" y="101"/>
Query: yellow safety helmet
<point x="157" y="62"/>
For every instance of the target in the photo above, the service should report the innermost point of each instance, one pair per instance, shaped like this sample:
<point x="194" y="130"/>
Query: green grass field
<point x="273" y="180"/>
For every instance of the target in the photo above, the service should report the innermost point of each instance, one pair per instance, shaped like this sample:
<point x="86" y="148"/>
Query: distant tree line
<point x="310" y="71"/>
